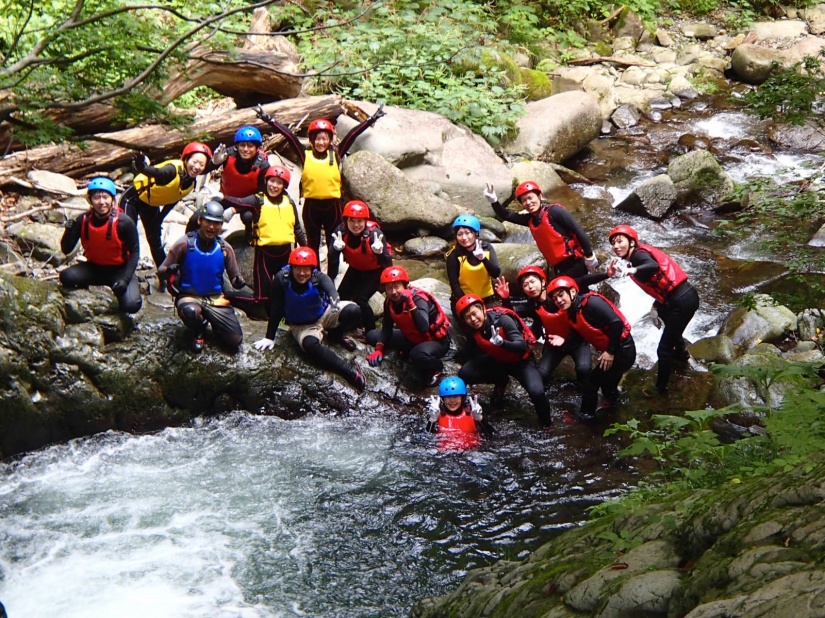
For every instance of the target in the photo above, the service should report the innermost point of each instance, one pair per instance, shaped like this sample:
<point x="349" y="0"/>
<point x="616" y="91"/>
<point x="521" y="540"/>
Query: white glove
<point x="377" y="245"/>
<point x="338" y="241"/>
<point x="591" y="263"/>
<point x="655" y="319"/>
<point x="497" y="339"/>
<point x="228" y="214"/>
<point x="623" y="269"/>
<point x="434" y="407"/>
<point x="220" y="156"/>
<point x="335" y="303"/>
<point x="478" y="250"/>
<point x="475" y="408"/>
<point x="490" y="193"/>
<point x="264" y="344"/>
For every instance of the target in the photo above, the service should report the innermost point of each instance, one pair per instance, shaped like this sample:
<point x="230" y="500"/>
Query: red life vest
<point x="236" y="184"/>
<point x="463" y="421"/>
<point x="497" y="352"/>
<point x="361" y="257"/>
<point x="555" y="247"/>
<point x="404" y="321"/>
<point x="593" y="335"/>
<point x="555" y="323"/>
<point x="102" y="244"/>
<point x="662" y="283"/>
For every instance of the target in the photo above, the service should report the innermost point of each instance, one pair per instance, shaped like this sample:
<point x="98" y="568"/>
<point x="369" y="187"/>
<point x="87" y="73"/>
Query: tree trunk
<point x="107" y="150"/>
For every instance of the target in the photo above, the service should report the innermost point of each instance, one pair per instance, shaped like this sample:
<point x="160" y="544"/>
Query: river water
<point x="251" y="516"/>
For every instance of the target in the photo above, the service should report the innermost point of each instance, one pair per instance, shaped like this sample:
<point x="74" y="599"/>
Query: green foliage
<point x="766" y="376"/>
<point x="415" y="54"/>
<point x="790" y="94"/>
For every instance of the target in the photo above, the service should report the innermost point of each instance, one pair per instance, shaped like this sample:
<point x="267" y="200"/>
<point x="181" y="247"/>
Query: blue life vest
<point x="202" y="272"/>
<point x="306" y="307"/>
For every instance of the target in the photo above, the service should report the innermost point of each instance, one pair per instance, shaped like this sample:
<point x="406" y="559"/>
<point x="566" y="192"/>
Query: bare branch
<point x="19" y="34"/>
<point x="314" y="29"/>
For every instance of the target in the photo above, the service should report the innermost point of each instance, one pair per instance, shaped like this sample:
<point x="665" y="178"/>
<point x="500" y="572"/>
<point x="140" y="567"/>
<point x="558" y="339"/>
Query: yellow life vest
<point x="276" y="225"/>
<point x="321" y="181"/>
<point x="474" y="279"/>
<point x="154" y="194"/>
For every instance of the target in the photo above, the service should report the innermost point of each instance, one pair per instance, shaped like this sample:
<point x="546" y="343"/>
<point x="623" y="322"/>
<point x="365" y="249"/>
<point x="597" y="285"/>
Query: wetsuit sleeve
<point x="300" y="234"/>
<point x="646" y="265"/>
<point x="349" y="138"/>
<point x="163" y="175"/>
<point x="507" y="215"/>
<point x="565" y="222"/>
<point x="453" y="271"/>
<point x="591" y="279"/>
<point x="513" y="339"/>
<point x="327" y="286"/>
<point x="491" y="263"/>
<point x="251" y="201"/>
<point x="386" y="325"/>
<point x="333" y="255"/>
<point x="421" y="318"/>
<point x="71" y="236"/>
<point x="174" y="256"/>
<point x="276" y="307"/>
<point x="231" y="264"/>
<point x="600" y="314"/>
<point x="291" y="139"/>
<point x="128" y="234"/>
<point x="385" y="259"/>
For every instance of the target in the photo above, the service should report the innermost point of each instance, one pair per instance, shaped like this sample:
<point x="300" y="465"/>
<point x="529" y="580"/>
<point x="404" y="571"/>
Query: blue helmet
<point x="470" y="221"/>
<point x="101" y="183"/>
<point x="452" y="386"/>
<point x="248" y="134"/>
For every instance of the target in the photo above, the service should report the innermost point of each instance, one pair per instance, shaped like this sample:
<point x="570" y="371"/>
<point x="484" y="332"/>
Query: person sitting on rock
<point x="158" y="188"/>
<point x="244" y="172"/>
<point x="600" y="323"/>
<point x="273" y="218"/>
<point x="321" y="176"/>
<point x="414" y="324"/>
<point x="472" y="263"/>
<point x="194" y="270"/>
<point x="559" y="339"/>
<point x="307" y="299"/>
<point x="500" y="348"/>
<point x="110" y="243"/>
<point x="558" y="235"/>
<point x="362" y="244"/>
<point x="455" y="416"/>
<point x="675" y="299"/>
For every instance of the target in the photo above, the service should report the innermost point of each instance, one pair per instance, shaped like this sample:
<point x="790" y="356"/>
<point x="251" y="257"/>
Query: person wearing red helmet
<point x="272" y="218"/>
<point x="559" y="339"/>
<point x="675" y="299"/>
<point x="498" y="349"/>
<point x="110" y="244"/>
<point x="194" y="270"/>
<point x="361" y="242"/>
<point x="321" y="176"/>
<point x="307" y="300"/>
<point x="414" y="323"/>
<point x="600" y="323"/>
<point x="558" y="235"/>
<point x="157" y="188"/>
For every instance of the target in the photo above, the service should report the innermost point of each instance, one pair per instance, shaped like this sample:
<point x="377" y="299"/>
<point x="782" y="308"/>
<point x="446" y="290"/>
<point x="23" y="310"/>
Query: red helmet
<point x="194" y="148"/>
<point x="320" y="124"/>
<point x="278" y="171"/>
<point x="303" y="256"/>
<point x="532" y="270"/>
<point x="625" y="230"/>
<point x="394" y="273"/>
<point x="526" y="187"/>
<point x="356" y="209"/>
<point x="562" y="283"/>
<point x="465" y="301"/>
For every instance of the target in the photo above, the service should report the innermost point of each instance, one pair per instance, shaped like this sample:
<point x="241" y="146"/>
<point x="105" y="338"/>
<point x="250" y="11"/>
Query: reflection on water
<point x="258" y="517"/>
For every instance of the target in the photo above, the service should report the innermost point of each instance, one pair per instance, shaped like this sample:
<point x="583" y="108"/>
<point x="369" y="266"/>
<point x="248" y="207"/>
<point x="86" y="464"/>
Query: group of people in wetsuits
<point x="287" y="280"/>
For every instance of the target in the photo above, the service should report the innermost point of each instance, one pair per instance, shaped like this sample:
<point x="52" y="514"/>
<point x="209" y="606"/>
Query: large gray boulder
<point x="698" y="178"/>
<point x="556" y="128"/>
<point x="395" y="200"/>
<point x="752" y="63"/>
<point x="653" y="198"/>
<point x="766" y="322"/>
<point x="42" y="240"/>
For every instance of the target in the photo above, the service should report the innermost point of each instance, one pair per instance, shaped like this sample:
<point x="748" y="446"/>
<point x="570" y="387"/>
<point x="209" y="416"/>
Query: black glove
<point x="139" y="162"/>
<point x="172" y="269"/>
<point x="379" y="113"/>
<point x="69" y="223"/>
<point x="119" y="287"/>
<point x="238" y="283"/>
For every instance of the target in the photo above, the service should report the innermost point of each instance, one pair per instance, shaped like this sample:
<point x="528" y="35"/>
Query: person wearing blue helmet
<point x="110" y="243"/>
<point x="472" y="264"/>
<point x="453" y="411"/>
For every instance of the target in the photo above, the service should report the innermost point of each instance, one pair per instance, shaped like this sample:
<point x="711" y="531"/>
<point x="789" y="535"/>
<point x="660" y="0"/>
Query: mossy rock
<point x="537" y="83"/>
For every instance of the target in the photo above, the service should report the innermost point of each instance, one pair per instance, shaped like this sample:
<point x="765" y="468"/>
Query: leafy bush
<point x="790" y="95"/>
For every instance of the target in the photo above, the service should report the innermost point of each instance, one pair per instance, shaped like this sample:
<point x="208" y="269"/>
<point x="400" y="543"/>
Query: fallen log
<point x="626" y="62"/>
<point x="108" y="150"/>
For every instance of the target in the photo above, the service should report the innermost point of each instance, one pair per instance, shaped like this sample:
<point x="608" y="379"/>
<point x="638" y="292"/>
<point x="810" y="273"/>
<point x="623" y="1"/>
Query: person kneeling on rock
<point x="308" y="300"/>
<point x="194" y="269"/>
<point x="110" y="242"/>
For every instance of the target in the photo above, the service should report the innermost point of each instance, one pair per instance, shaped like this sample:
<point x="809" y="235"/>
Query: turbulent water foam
<point x="258" y="517"/>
